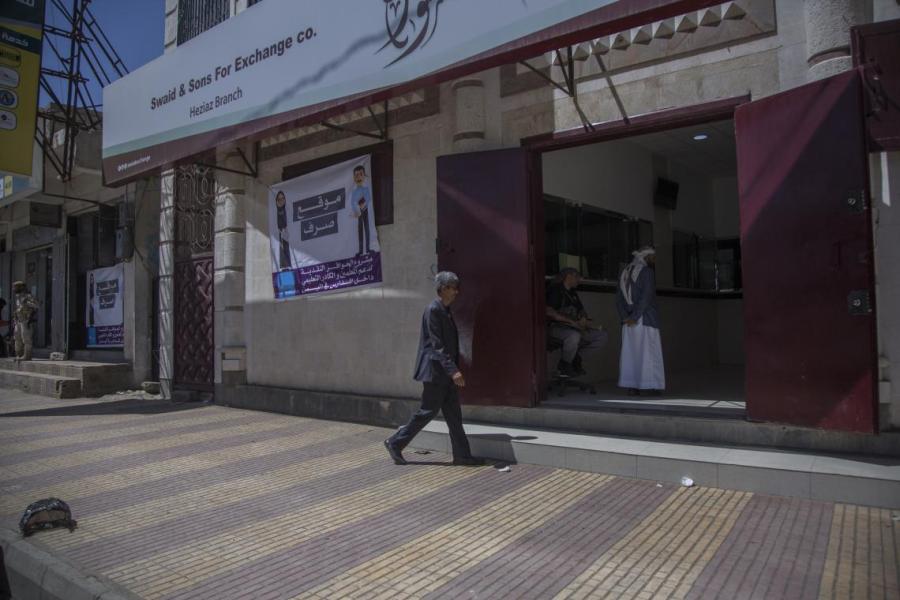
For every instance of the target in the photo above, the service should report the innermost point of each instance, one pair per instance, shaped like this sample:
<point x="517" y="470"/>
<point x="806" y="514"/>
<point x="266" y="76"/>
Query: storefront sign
<point x="105" y="317"/>
<point x="282" y="59"/>
<point x="322" y="231"/>
<point x="21" y="27"/>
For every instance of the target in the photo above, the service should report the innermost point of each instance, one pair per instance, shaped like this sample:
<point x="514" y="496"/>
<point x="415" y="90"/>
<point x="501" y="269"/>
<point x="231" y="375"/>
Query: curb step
<point x="94" y="379"/>
<point x="864" y="480"/>
<point x="43" y="385"/>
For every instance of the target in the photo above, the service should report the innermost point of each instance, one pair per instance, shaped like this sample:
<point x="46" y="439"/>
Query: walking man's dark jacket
<point x="438" y="357"/>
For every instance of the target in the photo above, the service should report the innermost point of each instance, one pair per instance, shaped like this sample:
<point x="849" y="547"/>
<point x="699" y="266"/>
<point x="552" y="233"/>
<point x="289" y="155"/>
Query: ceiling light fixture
<point x="700" y="137"/>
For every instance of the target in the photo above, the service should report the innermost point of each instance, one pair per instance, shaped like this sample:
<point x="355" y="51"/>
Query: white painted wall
<point x="616" y="176"/>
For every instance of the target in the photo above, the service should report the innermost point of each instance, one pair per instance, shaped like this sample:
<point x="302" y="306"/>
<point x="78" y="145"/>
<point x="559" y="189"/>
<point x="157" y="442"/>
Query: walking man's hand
<point x="459" y="380"/>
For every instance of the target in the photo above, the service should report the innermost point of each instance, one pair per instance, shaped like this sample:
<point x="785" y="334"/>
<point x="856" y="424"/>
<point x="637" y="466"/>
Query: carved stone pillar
<point x="469" y="126"/>
<point x="828" y="24"/>
<point x="229" y="278"/>
<point x="167" y="283"/>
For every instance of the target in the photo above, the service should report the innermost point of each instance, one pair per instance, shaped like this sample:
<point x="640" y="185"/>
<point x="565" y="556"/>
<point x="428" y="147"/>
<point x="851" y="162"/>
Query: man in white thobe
<point x="641" y="362"/>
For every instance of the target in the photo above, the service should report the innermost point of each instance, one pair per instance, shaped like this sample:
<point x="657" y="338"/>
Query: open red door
<point x="806" y="241"/>
<point x="484" y="217"/>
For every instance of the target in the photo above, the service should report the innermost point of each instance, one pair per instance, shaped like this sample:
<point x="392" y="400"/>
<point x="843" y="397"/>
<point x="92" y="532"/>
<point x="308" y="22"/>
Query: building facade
<point x="777" y="247"/>
<point x="56" y="232"/>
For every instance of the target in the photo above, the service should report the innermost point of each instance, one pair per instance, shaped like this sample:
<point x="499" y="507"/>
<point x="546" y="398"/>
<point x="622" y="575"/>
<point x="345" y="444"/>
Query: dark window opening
<point x="596" y="242"/>
<point x="196" y="16"/>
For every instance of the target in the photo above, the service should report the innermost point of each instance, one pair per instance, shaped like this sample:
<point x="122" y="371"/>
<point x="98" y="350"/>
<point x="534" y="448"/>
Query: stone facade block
<point x="230" y="213"/>
<point x="229" y="288"/>
<point x="229" y="328"/>
<point x="229" y="250"/>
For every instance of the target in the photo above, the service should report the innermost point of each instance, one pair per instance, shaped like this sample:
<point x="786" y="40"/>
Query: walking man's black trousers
<point x="436" y="398"/>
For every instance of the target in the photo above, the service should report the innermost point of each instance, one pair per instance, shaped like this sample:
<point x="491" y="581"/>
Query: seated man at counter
<point x="568" y="323"/>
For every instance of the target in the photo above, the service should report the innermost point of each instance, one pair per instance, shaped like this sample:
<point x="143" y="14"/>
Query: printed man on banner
<point x="360" y="200"/>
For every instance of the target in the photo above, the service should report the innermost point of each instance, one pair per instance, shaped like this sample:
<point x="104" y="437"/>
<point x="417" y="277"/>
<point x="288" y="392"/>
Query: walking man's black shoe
<point x="469" y="461"/>
<point x="395" y="453"/>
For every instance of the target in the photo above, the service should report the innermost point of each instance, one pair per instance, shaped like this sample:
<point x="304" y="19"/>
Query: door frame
<point x="674" y="118"/>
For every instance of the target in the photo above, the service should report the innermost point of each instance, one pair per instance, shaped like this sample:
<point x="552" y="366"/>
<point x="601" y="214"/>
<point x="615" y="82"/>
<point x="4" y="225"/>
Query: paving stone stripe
<point x="330" y="479"/>
<point x="14" y="453"/>
<point x="262" y="537"/>
<point x="546" y="560"/>
<point x="217" y="496"/>
<point x="117" y="475"/>
<point x="100" y="423"/>
<point x="425" y="563"/>
<point x="359" y="528"/>
<point x="122" y="450"/>
<point x="776" y="549"/>
<point x="664" y="554"/>
<point x="305" y="446"/>
<point x="863" y="558"/>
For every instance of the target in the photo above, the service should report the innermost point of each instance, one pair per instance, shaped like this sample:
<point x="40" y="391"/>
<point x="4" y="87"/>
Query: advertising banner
<point x="280" y="60"/>
<point x="21" y="30"/>
<point x="105" y="317"/>
<point x="322" y="231"/>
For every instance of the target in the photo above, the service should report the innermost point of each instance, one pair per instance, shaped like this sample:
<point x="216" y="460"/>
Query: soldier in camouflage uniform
<point x="25" y="310"/>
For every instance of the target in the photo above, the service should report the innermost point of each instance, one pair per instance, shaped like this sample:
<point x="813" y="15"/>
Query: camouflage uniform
<point x="26" y="306"/>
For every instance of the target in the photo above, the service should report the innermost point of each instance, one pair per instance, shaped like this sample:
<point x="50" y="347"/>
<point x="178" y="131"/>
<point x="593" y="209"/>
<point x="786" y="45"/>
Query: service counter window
<point x="705" y="263"/>
<point x="595" y="241"/>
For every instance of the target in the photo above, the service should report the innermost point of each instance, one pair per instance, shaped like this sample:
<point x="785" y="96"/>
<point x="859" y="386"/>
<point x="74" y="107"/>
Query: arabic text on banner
<point x="104" y="314"/>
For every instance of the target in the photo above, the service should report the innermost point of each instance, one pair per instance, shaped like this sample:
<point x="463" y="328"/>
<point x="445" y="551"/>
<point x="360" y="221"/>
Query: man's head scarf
<point x="630" y="273"/>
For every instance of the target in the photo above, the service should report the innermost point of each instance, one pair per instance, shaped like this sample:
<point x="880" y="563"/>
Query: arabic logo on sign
<point x="410" y="25"/>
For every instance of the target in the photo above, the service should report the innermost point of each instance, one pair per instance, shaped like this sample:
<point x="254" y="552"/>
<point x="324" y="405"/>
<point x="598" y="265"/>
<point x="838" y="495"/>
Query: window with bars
<point x="196" y="16"/>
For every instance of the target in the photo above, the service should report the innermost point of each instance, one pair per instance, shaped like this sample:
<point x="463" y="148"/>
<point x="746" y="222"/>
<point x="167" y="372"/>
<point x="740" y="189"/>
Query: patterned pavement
<point x="189" y="502"/>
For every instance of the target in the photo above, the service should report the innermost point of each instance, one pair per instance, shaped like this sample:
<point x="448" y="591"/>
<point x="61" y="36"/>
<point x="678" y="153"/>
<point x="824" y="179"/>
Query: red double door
<point x="806" y="241"/>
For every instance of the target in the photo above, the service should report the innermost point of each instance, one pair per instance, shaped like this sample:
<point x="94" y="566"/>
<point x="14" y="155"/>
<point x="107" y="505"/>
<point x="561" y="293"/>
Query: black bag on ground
<point x="46" y="514"/>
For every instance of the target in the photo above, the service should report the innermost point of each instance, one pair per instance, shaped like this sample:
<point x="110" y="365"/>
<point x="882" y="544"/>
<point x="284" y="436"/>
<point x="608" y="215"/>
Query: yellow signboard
<point x="21" y="29"/>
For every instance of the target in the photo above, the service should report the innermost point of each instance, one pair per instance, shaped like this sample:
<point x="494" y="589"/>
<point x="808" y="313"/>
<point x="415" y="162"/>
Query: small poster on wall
<point x="105" y="316"/>
<point x="322" y="231"/>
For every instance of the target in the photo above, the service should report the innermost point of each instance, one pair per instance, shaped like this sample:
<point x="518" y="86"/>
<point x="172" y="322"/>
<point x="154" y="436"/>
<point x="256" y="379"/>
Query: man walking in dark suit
<point x="437" y="367"/>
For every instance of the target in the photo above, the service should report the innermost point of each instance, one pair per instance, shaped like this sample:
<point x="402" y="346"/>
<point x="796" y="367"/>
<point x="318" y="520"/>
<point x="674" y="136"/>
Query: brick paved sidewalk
<point x="190" y="502"/>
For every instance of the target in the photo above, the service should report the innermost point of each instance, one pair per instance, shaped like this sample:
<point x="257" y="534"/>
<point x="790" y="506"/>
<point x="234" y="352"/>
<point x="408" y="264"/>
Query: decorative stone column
<point x="828" y="24"/>
<point x="229" y="277"/>
<point x="469" y="126"/>
<point x="166" y="282"/>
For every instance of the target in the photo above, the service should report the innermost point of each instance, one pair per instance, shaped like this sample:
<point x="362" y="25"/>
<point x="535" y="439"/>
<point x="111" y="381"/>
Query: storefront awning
<point x="283" y="64"/>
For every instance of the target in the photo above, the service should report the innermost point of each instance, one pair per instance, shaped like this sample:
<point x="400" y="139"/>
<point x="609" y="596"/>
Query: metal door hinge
<point x="859" y="302"/>
<point x="856" y="201"/>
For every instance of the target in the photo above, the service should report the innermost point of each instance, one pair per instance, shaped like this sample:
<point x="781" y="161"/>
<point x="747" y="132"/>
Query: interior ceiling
<point x="716" y="156"/>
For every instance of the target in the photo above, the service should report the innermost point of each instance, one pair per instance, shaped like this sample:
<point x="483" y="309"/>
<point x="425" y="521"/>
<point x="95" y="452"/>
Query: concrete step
<point x="96" y="378"/>
<point x="865" y="480"/>
<point x="53" y="386"/>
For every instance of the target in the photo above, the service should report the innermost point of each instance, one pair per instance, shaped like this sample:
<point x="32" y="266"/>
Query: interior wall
<point x="616" y="176"/>
<point x="725" y="207"/>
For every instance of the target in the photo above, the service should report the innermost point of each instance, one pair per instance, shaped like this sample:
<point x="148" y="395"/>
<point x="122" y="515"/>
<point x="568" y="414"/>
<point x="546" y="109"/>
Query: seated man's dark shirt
<point x="565" y="302"/>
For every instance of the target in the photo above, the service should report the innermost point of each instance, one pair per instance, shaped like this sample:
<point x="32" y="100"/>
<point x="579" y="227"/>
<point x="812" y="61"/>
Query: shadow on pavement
<point x="128" y="406"/>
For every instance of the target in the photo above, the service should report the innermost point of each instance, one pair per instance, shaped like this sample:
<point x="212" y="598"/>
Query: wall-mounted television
<point x="666" y="193"/>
